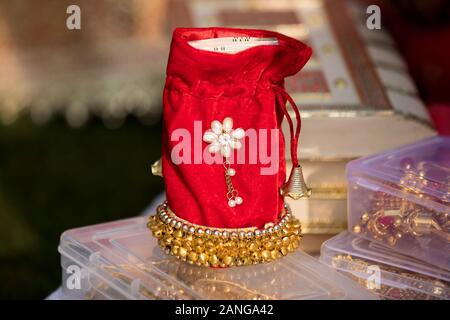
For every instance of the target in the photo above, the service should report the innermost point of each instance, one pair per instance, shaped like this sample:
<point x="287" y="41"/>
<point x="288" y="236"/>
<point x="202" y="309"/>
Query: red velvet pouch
<point x="238" y="75"/>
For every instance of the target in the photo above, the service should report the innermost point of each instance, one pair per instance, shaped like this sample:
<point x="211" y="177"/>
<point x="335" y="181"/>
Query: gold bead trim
<point x="225" y="247"/>
<point x="169" y="217"/>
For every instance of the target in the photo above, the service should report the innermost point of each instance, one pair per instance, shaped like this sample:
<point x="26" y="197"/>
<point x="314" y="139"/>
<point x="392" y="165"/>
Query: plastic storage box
<point x="402" y="198"/>
<point x="389" y="274"/>
<point x="121" y="260"/>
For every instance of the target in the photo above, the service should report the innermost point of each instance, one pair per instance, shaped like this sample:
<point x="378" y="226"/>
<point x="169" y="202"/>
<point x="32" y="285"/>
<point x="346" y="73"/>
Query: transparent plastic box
<point x="121" y="260"/>
<point x="401" y="198"/>
<point x="385" y="272"/>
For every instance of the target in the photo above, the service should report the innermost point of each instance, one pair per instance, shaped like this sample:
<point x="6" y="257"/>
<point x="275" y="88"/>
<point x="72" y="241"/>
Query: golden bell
<point x="296" y="187"/>
<point x="157" y="168"/>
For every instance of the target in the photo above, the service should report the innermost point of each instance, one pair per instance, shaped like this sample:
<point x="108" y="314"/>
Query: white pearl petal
<point x="227" y="124"/>
<point x="231" y="172"/>
<point x="239" y="133"/>
<point x="209" y="136"/>
<point x="214" y="147"/>
<point x="226" y="151"/>
<point x="216" y="127"/>
<point x="235" y="144"/>
<point x="232" y="203"/>
<point x="239" y="200"/>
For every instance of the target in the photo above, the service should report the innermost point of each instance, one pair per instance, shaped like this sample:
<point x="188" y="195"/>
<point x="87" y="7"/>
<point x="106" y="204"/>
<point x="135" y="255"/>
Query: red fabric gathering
<point x="204" y="86"/>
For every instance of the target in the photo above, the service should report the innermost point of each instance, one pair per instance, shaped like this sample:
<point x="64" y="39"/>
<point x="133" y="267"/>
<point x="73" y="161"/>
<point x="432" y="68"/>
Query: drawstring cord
<point x="295" y="135"/>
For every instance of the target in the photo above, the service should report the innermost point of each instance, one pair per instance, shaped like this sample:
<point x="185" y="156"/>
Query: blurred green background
<point x="53" y="178"/>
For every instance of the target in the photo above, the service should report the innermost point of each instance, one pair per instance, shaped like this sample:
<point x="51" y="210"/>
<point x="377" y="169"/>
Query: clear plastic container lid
<point x="402" y="198"/>
<point x="399" y="276"/>
<point x="420" y="172"/>
<point x="122" y="260"/>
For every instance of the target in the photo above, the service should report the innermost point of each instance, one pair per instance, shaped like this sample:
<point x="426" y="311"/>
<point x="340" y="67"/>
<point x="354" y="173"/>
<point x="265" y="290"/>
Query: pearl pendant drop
<point x="224" y="139"/>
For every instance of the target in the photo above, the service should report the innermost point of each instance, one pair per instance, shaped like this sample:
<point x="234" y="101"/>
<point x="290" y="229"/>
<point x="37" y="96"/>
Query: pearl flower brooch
<point x="222" y="138"/>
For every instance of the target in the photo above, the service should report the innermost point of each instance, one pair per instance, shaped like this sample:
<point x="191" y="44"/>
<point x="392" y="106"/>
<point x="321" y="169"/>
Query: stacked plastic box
<point x="122" y="260"/>
<point x="398" y="213"/>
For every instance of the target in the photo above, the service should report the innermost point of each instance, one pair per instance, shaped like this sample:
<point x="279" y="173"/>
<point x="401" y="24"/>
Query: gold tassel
<point x="157" y="168"/>
<point x="296" y="187"/>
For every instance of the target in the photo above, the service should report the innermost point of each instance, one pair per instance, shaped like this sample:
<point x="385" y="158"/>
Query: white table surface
<point x="58" y="294"/>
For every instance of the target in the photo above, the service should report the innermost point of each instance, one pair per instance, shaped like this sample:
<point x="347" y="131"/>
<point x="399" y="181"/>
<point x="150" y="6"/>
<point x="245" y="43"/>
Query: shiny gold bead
<point x="253" y="247"/>
<point x="285" y="240"/>
<point x="213" y="260"/>
<point x="278" y="243"/>
<point x="227" y="260"/>
<point x="365" y="217"/>
<point x="192" y="256"/>
<point x="243" y="253"/>
<point x="199" y="249"/>
<point x="284" y="250"/>
<point x="182" y="252"/>
<point x="269" y="245"/>
<point x="233" y="251"/>
<point x="290" y="248"/>
<point x="167" y="241"/>
<point x="265" y="254"/>
<point x="178" y="234"/>
<point x="357" y="229"/>
<point x="198" y="241"/>
<point x="174" y="250"/>
<point x="256" y="256"/>
<point x="209" y="244"/>
<point x="189" y="237"/>
<point x="246" y="261"/>
<point x="202" y="258"/>
<point x="398" y="222"/>
<point x="158" y="233"/>
<point x="275" y="254"/>
<point x="176" y="242"/>
<point x="228" y="244"/>
<point x="295" y="224"/>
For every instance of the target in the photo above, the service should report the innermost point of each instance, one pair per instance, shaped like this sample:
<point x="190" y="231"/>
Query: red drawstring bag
<point x="223" y="83"/>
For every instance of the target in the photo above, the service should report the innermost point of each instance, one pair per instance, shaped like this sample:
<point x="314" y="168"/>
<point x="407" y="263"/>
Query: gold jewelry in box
<point x="219" y="247"/>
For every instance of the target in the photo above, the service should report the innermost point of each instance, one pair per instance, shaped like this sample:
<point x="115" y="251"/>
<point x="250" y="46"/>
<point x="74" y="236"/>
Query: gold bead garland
<point x="224" y="247"/>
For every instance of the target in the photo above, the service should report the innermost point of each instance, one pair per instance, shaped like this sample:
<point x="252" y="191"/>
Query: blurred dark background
<point x="53" y="178"/>
<point x="79" y="127"/>
<point x="80" y="117"/>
